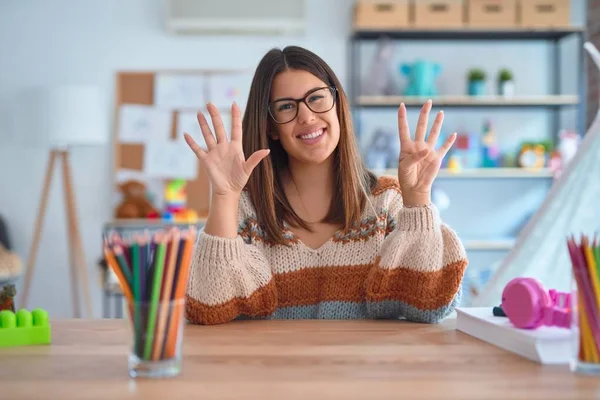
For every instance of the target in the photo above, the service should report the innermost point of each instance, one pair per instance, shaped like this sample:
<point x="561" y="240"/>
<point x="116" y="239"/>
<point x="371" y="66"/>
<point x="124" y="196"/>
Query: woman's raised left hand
<point x="419" y="161"/>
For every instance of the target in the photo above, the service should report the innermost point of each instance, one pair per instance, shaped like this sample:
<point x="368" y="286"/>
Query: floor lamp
<point x="66" y="117"/>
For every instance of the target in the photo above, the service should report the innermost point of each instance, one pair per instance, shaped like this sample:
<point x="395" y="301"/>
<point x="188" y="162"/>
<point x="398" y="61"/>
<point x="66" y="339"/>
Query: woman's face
<point x="308" y="135"/>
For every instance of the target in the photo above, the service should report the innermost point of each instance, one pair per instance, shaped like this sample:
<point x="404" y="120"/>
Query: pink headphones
<point x="528" y="305"/>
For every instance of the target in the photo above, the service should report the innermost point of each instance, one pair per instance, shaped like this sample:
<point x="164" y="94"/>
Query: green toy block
<point x="24" y="328"/>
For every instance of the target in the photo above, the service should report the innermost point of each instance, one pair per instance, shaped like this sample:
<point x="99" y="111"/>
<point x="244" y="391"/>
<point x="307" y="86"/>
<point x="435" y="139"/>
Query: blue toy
<point x="421" y="78"/>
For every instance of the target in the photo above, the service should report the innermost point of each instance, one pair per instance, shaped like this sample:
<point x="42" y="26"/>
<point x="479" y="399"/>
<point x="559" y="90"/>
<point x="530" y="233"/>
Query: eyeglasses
<point x="319" y="100"/>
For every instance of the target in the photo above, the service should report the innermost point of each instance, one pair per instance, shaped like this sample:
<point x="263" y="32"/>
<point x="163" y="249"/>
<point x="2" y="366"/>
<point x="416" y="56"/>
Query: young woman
<point x="298" y="228"/>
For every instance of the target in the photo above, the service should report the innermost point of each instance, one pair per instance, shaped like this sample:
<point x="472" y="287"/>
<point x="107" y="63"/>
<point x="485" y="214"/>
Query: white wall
<point x="85" y="41"/>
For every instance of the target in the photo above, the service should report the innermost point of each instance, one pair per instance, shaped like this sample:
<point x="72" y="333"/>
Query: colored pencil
<point x="157" y="278"/>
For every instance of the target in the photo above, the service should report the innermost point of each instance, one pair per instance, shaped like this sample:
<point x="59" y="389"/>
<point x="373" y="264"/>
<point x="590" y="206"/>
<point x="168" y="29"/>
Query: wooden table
<point x="286" y="360"/>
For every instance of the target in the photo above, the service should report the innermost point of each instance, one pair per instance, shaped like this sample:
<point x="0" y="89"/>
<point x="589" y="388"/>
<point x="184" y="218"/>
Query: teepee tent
<point x="571" y="207"/>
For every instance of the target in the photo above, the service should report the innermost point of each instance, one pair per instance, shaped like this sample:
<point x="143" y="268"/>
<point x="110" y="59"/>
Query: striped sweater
<point x="399" y="263"/>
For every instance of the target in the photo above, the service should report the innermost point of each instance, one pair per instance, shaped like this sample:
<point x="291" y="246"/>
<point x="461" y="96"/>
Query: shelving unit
<point x="550" y="101"/>
<point x="554" y="102"/>
<point x="485" y="173"/>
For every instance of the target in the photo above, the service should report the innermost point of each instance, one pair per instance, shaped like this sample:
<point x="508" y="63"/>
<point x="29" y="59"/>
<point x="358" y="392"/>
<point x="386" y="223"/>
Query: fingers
<point x="422" y="123"/>
<point x="254" y="159"/>
<point x="198" y="151"/>
<point x="414" y="158"/>
<point x="205" y="128"/>
<point x="403" y="124"/>
<point x="435" y="129"/>
<point x="442" y="151"/>
<point x="236" y="122"/>
<point x="217" y="123"/>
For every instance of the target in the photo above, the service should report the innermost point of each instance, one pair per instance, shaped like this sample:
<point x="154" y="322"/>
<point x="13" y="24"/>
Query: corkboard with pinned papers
<point x="152" y="110"/>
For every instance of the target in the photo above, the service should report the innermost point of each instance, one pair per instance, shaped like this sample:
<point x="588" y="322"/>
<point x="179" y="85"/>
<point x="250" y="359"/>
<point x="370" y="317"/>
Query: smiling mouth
<point x="312" y="135"/>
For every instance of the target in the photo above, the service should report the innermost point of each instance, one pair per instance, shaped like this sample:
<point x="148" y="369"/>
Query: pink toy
<point x="528" y="305"/>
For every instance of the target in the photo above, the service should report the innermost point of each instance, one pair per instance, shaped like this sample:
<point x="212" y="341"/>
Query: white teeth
<point x="312" y="135"/>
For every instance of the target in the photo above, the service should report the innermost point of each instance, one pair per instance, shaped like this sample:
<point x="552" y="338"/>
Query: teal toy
<point x="24" y="328"/>
<point x="421" y="78"/>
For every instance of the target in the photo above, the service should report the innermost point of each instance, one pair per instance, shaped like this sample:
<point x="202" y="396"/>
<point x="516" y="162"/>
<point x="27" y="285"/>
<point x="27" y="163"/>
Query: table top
<point x="286" y="360"/>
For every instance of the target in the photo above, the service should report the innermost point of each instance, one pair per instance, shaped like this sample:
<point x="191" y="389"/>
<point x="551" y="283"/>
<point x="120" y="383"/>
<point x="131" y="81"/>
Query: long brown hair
<point x="265" y="185"/>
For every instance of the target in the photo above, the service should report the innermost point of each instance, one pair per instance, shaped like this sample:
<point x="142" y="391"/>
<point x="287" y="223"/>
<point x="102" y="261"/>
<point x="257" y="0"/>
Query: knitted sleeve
<point x="230" y="278"/>
<point x="418" y="272"/>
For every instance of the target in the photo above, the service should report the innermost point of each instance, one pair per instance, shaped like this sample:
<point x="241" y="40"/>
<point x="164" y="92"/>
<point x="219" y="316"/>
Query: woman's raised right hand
<point x="224" y="161"/>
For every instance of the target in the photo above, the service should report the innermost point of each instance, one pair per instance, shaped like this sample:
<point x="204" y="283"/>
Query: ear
<point x="273" y="135"/>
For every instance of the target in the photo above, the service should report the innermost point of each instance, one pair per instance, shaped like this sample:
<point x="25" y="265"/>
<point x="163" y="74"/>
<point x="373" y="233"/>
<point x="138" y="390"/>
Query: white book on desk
<point x="545" y="345"/>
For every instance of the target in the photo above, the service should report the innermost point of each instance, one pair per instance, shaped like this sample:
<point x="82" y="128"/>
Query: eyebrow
<point x="305" y="94"/>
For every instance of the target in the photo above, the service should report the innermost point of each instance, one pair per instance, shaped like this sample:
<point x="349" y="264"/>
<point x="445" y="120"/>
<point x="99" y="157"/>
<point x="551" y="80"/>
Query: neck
<point x="311" y="178"/>
<point x="309" y="188"/>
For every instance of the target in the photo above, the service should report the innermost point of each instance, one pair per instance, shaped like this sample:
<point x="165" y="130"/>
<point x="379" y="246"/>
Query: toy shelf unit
<point x="489" y="201"/>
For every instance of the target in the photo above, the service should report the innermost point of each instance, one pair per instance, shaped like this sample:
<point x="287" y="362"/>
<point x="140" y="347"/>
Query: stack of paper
<point x="545" y="345"/>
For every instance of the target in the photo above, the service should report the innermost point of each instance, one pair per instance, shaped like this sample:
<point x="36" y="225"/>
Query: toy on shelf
<point x="532" y="156"/>
<point x="467" y="150"/>
<point x="566" y="149"/>
<point x="7" y="298"/>
<point x="454" y="164"/>
<point x="383" y="150"/>
<point x="24" y="328"/>
<point x="380" y="80"/>
<point x="421" y="78"/>
<point x="176" y="202"/>
<point x="135" y="203"/>
<point x="489" y="147"/>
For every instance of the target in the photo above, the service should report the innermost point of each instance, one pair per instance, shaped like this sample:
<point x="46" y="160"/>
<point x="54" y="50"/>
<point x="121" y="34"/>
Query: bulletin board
<point x="138" y="88"/>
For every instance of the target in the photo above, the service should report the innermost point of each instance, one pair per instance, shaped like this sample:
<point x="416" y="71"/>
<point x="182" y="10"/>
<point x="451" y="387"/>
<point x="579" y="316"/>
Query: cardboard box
<point x="544" y="13"/>
<point x="492" y="13"/>
<point x="381" y="14"/>
<point x="439" y="14"/>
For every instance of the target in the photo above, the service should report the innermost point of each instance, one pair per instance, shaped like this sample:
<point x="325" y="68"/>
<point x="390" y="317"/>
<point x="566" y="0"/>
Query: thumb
<point x="255" y="158"/>
<point x="414" y="158"/>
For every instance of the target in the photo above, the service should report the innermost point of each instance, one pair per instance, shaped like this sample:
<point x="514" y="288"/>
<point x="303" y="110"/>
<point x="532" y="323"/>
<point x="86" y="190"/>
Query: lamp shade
<point x="72" y="115"/>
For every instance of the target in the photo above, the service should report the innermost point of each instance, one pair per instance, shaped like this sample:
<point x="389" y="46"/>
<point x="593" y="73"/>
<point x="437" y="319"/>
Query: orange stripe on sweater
<point x="423" y="290"/>
<point x="260" y="304"/>
<point x="309" y="286"/>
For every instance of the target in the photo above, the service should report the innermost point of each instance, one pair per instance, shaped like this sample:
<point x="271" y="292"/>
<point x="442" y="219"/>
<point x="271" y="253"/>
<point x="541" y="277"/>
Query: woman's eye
<point x="285" y="107"/>
<point x="315" y="98"/>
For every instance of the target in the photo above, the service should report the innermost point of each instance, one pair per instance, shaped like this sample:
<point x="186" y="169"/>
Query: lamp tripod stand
<point x="77" y="264"/>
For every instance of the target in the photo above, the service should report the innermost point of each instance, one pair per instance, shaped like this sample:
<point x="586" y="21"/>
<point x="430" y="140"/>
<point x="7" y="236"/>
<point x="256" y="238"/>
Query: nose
<point x="305" y="115"/>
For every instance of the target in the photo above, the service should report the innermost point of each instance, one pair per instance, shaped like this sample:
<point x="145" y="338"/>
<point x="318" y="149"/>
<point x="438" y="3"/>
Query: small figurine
<point x="7" y="297"/>
<point x="489" y="146"/>
<point x="175" y="203"/>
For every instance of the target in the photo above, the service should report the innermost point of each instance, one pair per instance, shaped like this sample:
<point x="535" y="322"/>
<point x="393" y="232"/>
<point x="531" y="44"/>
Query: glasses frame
<point x="332" y="88"/>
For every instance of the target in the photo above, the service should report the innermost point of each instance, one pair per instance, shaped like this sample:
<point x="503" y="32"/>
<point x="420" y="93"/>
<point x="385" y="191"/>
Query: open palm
<point x="419" y="161"/>
<point x="224" y="161"/>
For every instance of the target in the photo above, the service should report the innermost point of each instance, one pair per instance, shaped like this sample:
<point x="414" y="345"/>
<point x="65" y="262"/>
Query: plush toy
<point x="11" y="265"/>
<point x="380" y="80"/>
<point x="567" y="147"/>
<point x="421" y="78"/>
<point x="7" y="298"/>
<point x="134" y="204"/>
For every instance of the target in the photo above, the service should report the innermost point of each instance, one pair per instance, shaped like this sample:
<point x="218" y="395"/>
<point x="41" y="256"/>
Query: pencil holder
<point x="156" y="329"/>
<point x="585" y="310"/>
<point x="153" y="273"/>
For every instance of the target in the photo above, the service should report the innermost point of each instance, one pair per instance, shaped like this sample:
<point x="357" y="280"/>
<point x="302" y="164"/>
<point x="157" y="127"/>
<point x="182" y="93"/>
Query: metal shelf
<point x="489" y="244"/>
<point x="485" y="173"/>
<point x="469" y="34"/>
<point x="470" y="101"/>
